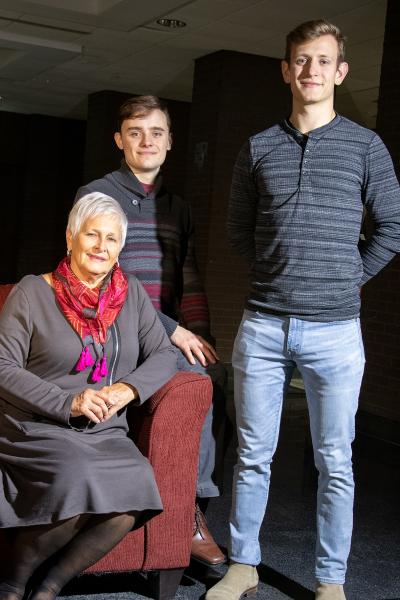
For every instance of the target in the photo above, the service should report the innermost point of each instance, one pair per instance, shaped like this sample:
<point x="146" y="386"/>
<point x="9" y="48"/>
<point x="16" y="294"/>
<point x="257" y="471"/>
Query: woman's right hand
<point x="89" y="404"/>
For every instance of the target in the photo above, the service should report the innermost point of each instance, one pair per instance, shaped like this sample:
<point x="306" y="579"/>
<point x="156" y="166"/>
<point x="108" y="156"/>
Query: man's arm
<point x="382" y="201"/>
<point x="243" y="206"/>
<point x="191" y="345"/>
<point x="196" y="341"/>
<point x="169" y="324"/>
<point x="82" y="191"/>
<point x="193" y="306"/>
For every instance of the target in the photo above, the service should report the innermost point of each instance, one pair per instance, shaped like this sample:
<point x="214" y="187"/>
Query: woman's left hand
<point x="117" y="396"/>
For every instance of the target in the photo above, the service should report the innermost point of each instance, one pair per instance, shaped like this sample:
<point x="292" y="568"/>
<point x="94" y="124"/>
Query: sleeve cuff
<point x="169" y="324"/>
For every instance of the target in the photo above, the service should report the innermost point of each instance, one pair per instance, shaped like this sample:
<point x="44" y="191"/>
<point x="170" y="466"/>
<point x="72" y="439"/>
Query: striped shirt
<point x="296" y="211"/>
<point x="159" y="248"/>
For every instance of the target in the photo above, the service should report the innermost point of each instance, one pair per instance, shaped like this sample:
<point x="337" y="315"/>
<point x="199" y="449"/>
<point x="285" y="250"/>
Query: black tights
<point x="79" y="542"/>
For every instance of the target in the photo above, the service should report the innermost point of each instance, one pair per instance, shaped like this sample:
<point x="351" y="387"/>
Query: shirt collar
<point x="129" y="180"/>
<point x="315" y="133"/>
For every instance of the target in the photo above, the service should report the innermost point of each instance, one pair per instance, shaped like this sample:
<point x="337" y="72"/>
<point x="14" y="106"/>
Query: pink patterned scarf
<point x="90" y="312"/>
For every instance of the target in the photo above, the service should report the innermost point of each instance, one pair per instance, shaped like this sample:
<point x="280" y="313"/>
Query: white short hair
<point x="93" y="205"/>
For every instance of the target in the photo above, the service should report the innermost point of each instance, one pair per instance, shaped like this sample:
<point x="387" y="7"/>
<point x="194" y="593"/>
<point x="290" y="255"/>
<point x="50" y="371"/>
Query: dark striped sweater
<point x="296" y="211"/>
<point x="159" y="248"/>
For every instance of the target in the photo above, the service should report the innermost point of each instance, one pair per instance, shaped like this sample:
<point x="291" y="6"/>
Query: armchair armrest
<point x="168" y="433"/>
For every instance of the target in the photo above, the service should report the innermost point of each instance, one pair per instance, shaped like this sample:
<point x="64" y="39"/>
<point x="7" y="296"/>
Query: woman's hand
<point x="117" y="396"/>
<point x="101" y="405"/>
<point x="91" y="405"/>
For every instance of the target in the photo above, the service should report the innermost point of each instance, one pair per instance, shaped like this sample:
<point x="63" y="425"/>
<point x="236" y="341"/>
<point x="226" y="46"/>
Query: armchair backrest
<point x="5" y="289"/>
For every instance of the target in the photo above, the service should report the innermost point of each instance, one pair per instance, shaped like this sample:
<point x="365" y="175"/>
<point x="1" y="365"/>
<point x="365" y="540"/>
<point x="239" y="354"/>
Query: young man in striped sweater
<point x="298" y="194"/>
<point x="159" y="251"/>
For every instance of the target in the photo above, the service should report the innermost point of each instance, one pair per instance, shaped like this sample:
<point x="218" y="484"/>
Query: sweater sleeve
<point x="18" y="386"/>
<point x="194" y="305"/>
<point x="82" y="191"/>
<point x="382" y="201"/>
<point x="157" y="361"/>
<point x="243" y="206"/>
<point x="168" y="323"/>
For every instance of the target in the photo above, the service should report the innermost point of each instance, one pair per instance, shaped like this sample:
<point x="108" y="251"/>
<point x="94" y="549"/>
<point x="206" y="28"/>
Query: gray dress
<point x="52" y="466"/>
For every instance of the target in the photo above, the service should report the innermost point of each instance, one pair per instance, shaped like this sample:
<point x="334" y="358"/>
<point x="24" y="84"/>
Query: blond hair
<point x="311" y="30"/>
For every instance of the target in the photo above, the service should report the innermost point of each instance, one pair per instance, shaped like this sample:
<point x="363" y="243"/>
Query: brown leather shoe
<point x="204" y="548"/>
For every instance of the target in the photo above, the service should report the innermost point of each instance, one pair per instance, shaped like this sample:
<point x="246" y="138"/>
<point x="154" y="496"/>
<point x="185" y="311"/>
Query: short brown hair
<point x="141" y="106"/>
<point x="311" y="30"/>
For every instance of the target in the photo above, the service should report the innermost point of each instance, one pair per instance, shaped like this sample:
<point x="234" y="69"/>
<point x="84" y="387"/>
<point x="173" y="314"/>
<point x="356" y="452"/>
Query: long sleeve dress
<point x="53" y="466"/>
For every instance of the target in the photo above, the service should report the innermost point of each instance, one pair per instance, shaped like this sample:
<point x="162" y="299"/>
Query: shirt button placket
<point x="305" y="171"/>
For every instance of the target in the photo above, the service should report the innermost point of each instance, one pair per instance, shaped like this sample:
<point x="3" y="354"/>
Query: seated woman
<point x="76" y="347"/>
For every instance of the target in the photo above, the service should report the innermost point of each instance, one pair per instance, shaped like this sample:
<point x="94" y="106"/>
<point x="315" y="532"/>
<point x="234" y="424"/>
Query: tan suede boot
<point x="329" y="591"/>
<point x="240" y="581"/>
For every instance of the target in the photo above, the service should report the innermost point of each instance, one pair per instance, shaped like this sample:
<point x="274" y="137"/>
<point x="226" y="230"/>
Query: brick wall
<point x="12" y="168"/>
<point x="381" y="297"/>
<point x="234" y="96"/>
<point x="388" y="118"/>
<point x="41" y="166"/>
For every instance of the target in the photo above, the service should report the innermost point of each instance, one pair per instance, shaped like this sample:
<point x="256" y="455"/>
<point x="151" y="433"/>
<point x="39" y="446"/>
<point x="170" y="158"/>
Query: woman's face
<point x="95" y="249"/>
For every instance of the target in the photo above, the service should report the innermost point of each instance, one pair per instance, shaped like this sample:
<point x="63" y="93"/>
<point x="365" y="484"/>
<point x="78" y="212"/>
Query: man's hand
<point x="101" y="405"/>
<point x="194" y="346"/>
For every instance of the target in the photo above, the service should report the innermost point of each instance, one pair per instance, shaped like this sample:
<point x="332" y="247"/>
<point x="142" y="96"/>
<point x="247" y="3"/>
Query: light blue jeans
<point x="330" y="358"/>
<point x="211" y="455"/>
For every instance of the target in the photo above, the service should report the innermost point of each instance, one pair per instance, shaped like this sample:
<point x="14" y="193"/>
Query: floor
<point x="287" y="537"/>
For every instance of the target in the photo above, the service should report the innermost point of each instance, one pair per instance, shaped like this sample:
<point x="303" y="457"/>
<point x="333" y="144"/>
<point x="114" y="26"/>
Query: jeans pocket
<point x="343" y="323"/>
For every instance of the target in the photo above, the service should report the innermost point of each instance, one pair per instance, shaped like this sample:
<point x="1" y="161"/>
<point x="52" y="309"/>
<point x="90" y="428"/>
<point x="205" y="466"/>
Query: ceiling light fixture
<point x="172" y="23"/>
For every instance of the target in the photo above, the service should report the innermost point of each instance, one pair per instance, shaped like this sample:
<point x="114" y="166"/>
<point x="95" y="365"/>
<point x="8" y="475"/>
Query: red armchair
<point x="167" y="430"/>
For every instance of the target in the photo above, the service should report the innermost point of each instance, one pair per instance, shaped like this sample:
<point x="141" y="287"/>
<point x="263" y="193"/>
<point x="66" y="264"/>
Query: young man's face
<point x="314" y="71"/>
<point x="145" y="142"/>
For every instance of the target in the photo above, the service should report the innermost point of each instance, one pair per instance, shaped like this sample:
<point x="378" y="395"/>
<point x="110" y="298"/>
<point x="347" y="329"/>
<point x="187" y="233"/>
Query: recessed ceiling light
<point x="173" y="23"/>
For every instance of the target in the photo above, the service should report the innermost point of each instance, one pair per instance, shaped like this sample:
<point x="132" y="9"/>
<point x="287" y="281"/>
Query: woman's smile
<point x="95" y="249"/>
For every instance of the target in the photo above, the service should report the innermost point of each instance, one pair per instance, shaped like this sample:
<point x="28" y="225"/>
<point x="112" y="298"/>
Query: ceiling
<point x="53" y="53"/>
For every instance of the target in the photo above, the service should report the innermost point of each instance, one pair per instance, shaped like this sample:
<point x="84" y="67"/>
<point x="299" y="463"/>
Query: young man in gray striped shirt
<point x="298" y="194"/>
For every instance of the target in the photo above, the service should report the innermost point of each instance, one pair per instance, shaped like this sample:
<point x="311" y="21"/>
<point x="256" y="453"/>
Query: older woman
<point x="76" y="347"/>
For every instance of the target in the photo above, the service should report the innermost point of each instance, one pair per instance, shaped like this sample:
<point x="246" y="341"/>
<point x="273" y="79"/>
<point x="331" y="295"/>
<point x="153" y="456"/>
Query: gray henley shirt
<point x="296" y="212"/>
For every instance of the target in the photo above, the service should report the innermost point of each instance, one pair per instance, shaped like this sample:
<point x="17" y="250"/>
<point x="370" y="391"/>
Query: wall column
<point x="380" y="396"/>
<point x="234" y="96"/>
